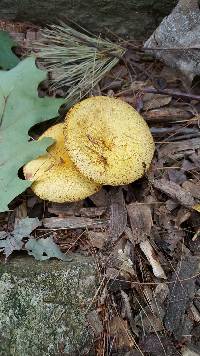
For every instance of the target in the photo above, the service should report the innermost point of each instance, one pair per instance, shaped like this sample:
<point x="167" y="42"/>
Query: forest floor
<point x="144" y="236"/>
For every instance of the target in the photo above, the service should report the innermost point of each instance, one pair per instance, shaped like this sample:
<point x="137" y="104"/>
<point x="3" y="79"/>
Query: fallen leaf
<point x="192" y="187"/>
<point x="174" y="191"/>
<point x="177" y="150"/>
<point x="13" y="241"/>
<point x="8" y="59"/>
<point x="21" y="108"/>
<point x="43" y="249"/>
<point x="118" y="328"/>
<point x="98" y="239"/>
<point x="155" y="101"/>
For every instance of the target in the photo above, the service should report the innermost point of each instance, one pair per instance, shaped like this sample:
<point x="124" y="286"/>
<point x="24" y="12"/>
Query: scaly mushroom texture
<point x="108" y="140"/>
<point x="54" y="176"/>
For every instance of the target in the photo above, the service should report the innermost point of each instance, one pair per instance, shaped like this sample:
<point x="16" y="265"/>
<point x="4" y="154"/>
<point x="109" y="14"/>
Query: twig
<point x="171" y="48"/>
<point x="173" y="93"/>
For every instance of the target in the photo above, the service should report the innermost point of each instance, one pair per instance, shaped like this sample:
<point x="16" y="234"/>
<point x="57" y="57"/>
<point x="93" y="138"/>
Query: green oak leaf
<point x="20" y="109"/>
<point x="8" y="59"/>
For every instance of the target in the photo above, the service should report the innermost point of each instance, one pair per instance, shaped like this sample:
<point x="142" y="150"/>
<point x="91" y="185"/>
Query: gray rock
<point x="180" y="32"/>
<point x="43" y="306"/>
<point x="133" y="17"/>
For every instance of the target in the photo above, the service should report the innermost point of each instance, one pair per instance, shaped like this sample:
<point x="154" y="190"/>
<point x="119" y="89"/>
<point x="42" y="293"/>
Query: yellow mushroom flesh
<point x="54" y="175"/>
<point x="108" y="140"/>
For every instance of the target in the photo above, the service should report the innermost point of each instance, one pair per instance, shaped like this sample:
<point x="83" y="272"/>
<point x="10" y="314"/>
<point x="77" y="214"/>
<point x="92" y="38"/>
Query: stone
<point x="132" y="17"/>
<point x="43" y="306"/>
<point x="180" y="31"/>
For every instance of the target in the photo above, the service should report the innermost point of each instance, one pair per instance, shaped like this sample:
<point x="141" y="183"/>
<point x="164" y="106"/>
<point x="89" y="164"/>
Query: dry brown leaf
<point x="119" y="330"/>
<point x="98" y="239"/>
<point x="155" y="101"/>
<point x="174" y="191"/>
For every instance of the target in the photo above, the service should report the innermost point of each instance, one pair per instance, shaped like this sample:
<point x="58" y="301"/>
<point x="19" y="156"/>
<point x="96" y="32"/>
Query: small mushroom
<point x="54" y="175"/>
<point x="108" y="140"/>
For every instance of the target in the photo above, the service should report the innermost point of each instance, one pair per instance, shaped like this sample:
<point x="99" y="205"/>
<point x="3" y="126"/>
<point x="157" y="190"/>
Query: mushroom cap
<point x="108" y="140"/>
<point x="54" y="175"/>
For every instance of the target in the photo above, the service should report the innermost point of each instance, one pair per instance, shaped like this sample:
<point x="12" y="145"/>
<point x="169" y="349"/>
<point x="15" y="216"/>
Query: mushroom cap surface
<point x="54" y="175"/>
<point x="108" y="140"/>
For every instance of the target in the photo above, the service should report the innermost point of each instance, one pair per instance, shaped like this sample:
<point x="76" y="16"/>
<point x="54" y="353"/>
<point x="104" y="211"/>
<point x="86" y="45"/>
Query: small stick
<point x="170" y="92"/>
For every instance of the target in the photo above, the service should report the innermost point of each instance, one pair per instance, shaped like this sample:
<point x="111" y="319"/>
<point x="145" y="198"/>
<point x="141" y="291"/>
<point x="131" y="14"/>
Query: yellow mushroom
<point x="54" y="176"/>
<point x="108" y="140"/>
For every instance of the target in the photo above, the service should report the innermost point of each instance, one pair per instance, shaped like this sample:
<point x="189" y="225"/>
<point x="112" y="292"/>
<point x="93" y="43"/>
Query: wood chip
<point x="118" y="214"/>
<point x="181" y="291"/>
<point x="74" y="223"/>
<point x="151" y="256"/>
<point x="141" y="221"/>
<point x="158" y="345"/>
<point x="167" y="115"/>
<point x="92" y="212"/>
<point x="174" y="191"/>
<point x="65" y="209"/>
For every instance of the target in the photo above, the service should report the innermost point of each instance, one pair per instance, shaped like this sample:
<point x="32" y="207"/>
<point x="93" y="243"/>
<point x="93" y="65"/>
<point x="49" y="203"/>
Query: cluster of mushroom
<point x="103" y="141"/>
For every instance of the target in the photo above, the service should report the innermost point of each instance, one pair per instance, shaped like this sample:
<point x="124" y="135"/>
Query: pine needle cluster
<point x="75" y="60"/>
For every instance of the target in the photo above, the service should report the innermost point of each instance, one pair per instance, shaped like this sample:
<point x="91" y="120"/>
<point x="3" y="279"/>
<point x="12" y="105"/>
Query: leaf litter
<point x="147" y="301"/>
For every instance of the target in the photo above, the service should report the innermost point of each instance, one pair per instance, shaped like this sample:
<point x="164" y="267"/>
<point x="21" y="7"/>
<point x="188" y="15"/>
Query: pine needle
<point x="76" y="61"/>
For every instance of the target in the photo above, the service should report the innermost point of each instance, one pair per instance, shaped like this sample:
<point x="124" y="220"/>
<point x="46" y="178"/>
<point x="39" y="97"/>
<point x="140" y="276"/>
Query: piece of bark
<point x="74" y="223"/>
<point x="141" y="221"/>
<point x="167" y="115"/>
<point x="181" y="292"/>
<point x="158" y="346"/>
<point x="65" y="209"/>
<point x="92" y="212"/>
<point x="174" y="191"/>
<point x="118" y="214"/>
